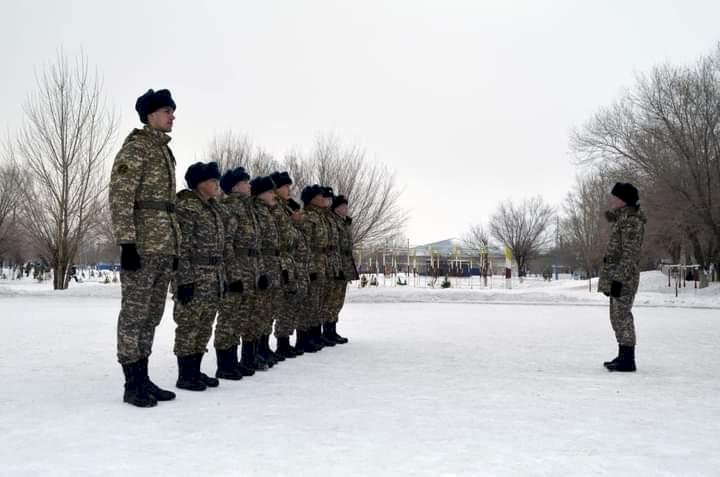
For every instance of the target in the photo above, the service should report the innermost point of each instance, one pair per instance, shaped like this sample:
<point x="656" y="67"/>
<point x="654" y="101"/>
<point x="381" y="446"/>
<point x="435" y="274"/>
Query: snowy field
<point x="433" y="383"/>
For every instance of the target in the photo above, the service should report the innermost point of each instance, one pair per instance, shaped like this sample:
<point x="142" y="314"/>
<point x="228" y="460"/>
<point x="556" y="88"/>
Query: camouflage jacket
<point x="333" y="249"/>
<point x="142" y="194"/>
<point x="343" y="225"/>
<point x="622" y="260"/>
<point x="315" y="231"/>
<point x="204" y="246"/>
<point x="242" y="231"/>
<point x="290" y="241"/>
<point x="269" y="254"/>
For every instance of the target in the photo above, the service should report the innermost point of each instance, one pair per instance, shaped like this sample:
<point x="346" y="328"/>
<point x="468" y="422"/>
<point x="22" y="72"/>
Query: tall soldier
<point x="142" y="204"/>
<point x="315" y="230"/>
<point x="343" y="223"/>
<point x="269" y="265"/>
<point x="294" y="284"/>
<point x="620" y="274"/>
<point x="201" y="278"/>
<point x="235" y="320"/>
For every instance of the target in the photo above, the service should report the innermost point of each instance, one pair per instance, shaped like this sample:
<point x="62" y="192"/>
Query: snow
<point x="434" y="382"/>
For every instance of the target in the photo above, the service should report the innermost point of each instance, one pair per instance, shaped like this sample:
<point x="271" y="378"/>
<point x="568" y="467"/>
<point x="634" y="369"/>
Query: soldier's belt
<point x="247" y="252"/>
<point x="206" y="260"/>
<point x="270" y="252"/>
<point x="323" y="249"/>
<point x="163" y="205"/>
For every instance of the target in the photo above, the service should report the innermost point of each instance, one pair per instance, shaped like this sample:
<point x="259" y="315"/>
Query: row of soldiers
<point x="246" y="262"/>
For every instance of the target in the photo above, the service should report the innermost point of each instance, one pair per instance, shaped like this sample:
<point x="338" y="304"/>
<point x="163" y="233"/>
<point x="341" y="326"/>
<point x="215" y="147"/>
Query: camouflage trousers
<point x="194" y="325"/>
<point x="328" y="301"/>
<point x="234" y="320"/>
<point x="310" y="308"/>
<point x="285" y="315"/>
<point x="261" y="314"/>
<point x="337" y="300"/>
<point x="144" y="293"/>
<point x="621" y="319"/>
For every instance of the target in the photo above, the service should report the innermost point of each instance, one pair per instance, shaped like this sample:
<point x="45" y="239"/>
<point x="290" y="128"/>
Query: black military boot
<point x="227" y="364"/>
<point x="322" y="338"/>
<point x="614" y="360"/>
<point x="265" y="351"/>
<point x="276" y="356"/>
<point x="151" y="388"/>
<point x="298" y="349"/>
<point x="135" y="391"/>
<point x="284" y="349"/>
<point x="338" y="339"/>
<point x="246" y="365"/>
<point x="188" y="374"/>
<point x="305" y="343"/>
<point x="625" y="362"/>
<point x="204" y="378"/>
<point x="260" y="363"/>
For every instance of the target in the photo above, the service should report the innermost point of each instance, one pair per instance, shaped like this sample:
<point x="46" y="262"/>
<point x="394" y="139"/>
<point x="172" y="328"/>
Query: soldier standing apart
<point x="142" y="204"/>
<point x="349" y="273"/>
<point x="620" y="274"/>
<point x="201" y="273"/>
<point x="269" y="292"/>
<point x="234" y="320"/>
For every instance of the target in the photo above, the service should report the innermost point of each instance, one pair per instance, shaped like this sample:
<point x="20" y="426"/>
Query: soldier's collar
<point x="159" y="135"/>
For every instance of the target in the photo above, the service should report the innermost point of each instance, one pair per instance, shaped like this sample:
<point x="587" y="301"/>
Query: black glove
<point x="263" y="282"/>
<point x="606" y="293"/>
<point x="615" y="289"/>
<point x="313" y="276"/>
<point x="129" y="257"/>
<point x="285" y="277"/>
<point x="236" y="287"/>
<point x="185" y="293"/>
<point x="340" y="275"/>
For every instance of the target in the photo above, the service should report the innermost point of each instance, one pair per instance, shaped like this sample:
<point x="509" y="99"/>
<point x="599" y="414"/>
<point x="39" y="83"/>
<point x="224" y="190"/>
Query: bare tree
<point x="668" y="129"/>
<point x="231" y="150"/>
<point x="371" y="189"/>
<point x="523" y="228"/>
<point x="63" y="145"/>
<point x="11" y="186"/>
<point x="584" y="223"/>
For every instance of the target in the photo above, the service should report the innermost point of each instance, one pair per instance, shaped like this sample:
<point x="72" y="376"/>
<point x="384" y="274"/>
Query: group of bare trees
<point x="371" y="189"/>
<point x="664" y="135"/>
<point x="54" y="173"/>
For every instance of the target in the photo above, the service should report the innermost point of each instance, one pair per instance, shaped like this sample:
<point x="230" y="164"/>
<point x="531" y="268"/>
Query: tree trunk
<point x="60" y="269"/>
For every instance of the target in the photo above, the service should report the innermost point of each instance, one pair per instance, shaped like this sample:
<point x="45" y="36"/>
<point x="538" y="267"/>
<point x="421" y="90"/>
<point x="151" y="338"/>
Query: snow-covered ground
<point x="482" y="382"/>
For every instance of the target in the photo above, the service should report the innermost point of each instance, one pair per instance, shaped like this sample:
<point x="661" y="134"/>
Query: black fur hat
<point x="294" y="206"/>
<point x="232" y="177"/>
<point x="151" y="101"/>
<point x="200" y="172"/>
<point x="261" y="184"/>
<point x="338" y="200"/>
<point x="281" y="179"/>
<point x="328" y="192"/>
<point x="626" y="192"/>
<point x="309" y="192"/>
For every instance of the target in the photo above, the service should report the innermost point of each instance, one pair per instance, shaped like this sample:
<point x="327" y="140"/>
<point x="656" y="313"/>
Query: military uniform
<point x="270" y="271"/>
<point x="347" y="265"/>
<point x="142" y="204"/>
<point x="201" y="266"/>
<point x="620" y="273"/>
<point x="316" y="235"/>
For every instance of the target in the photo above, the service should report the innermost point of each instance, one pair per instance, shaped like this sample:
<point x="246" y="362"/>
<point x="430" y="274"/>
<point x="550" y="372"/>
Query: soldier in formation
<point x="620" y="273"/>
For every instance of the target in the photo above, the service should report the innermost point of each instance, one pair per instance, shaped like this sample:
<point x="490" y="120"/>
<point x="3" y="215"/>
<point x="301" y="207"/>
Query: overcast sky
<point x="469" y="102"/>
